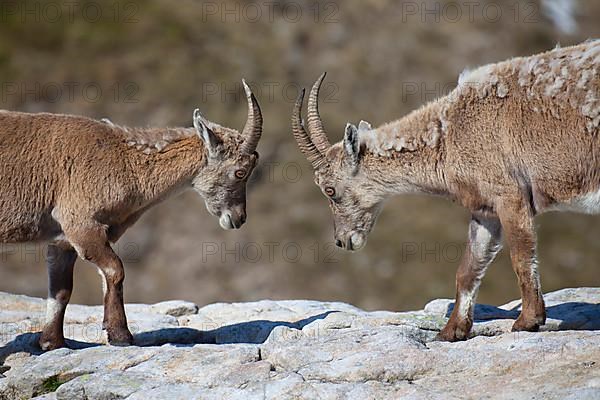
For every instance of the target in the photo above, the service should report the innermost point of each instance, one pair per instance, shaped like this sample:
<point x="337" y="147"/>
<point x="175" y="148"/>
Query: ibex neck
<point x="407" y="155"/>
<point x="168" y="168"/>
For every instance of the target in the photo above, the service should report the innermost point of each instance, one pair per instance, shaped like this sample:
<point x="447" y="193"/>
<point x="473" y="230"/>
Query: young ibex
<point x="513" y="140"/>
<point x="80" y="183"/>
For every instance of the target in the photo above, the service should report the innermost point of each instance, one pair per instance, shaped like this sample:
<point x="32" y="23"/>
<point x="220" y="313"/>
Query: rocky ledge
<point x="304" y="349"/>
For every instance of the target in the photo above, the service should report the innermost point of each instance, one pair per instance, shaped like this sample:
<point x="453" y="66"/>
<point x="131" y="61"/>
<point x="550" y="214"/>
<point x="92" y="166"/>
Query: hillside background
<point x="153" y="62"/>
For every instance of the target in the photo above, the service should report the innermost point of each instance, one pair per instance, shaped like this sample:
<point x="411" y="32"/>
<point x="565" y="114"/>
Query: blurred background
<point x="151" y="63"/>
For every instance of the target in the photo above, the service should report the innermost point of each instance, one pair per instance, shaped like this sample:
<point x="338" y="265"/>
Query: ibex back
<point x="513" y="140"/>
<point x="80" y="183"/>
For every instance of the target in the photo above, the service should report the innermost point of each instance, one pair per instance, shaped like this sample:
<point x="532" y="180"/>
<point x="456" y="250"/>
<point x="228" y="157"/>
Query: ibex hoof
<point x="48" y="343"/>
<point x="452" y="333"/>
<point x="528" y="324"/>
<point x="119" y="337"/>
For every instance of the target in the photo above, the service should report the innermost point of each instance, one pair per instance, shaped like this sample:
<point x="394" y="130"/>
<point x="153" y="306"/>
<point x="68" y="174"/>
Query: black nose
<point x="338" y="242"/>
<point x="238" y="215"/>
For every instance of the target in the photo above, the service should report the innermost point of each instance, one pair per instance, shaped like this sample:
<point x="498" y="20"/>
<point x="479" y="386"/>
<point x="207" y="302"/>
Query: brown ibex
<point x="513" y="140"/>
<point x="80" y="183"/>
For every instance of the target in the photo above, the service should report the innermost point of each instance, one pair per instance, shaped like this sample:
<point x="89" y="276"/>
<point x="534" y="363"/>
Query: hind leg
<point x="91" y="243"/>
<point x="517" y="222"/>
<point x="60" y="260"/>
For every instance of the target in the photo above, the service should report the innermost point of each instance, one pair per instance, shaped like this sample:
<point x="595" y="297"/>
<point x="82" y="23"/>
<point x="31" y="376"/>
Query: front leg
<point x="60" y="260"/>
<point x="517" y="222"/>
<point x="484" y="242"/>
<point x="91" y="244"/>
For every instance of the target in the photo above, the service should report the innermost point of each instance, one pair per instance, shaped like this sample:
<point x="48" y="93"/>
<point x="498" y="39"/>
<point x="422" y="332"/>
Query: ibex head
<point x="353" y="199"/>
<point x="231" y="158"/>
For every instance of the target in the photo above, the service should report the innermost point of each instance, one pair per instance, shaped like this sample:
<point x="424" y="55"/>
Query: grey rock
<point x="175" y="308"/>
<point x="304" y="350"/>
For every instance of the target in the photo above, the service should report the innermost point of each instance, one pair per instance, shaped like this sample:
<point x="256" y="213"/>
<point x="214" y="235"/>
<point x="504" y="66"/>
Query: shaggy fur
<point x="513" y="140"/>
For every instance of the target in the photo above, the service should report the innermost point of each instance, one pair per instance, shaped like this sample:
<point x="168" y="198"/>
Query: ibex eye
<point x="240" y="174"/>
<point x="329" y="191"/>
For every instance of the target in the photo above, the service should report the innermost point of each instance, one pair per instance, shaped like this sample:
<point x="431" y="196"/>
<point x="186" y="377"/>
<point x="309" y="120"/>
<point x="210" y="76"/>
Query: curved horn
<point x="253" y="128"/>
<point x="307" y="147"/>
<point x="315" y="125"/>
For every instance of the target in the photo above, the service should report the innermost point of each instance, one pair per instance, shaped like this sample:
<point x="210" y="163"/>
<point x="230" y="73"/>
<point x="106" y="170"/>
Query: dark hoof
<point x="120" y="338"/>
<point x="48" y="343"/>
<point x="452" y="333"/>
<point x="523" y="325"/>
<point x="449" y="337"/>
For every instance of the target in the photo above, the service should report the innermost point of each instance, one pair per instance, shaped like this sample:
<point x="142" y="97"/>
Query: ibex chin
<point x="80" y="183"/>
<point x="513" y="140"/>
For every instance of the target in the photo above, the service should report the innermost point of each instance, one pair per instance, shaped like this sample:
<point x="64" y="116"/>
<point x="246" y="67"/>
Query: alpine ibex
<point x="513" y="140"/>
<point x="80" y="183"/>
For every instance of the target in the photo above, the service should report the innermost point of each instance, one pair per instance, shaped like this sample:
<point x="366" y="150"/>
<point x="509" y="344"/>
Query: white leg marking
<point x="480" y="245"/>
<point x="535" y="274"/>
<point x="104" y="284"/>
<point x="53" y="309"/>
<point x="465" y="303"/>
<point x="484" y="248"/>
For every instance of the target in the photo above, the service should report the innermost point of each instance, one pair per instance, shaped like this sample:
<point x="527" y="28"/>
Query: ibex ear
<point x="351" y="144"/>
<point x="211" y="141"/>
